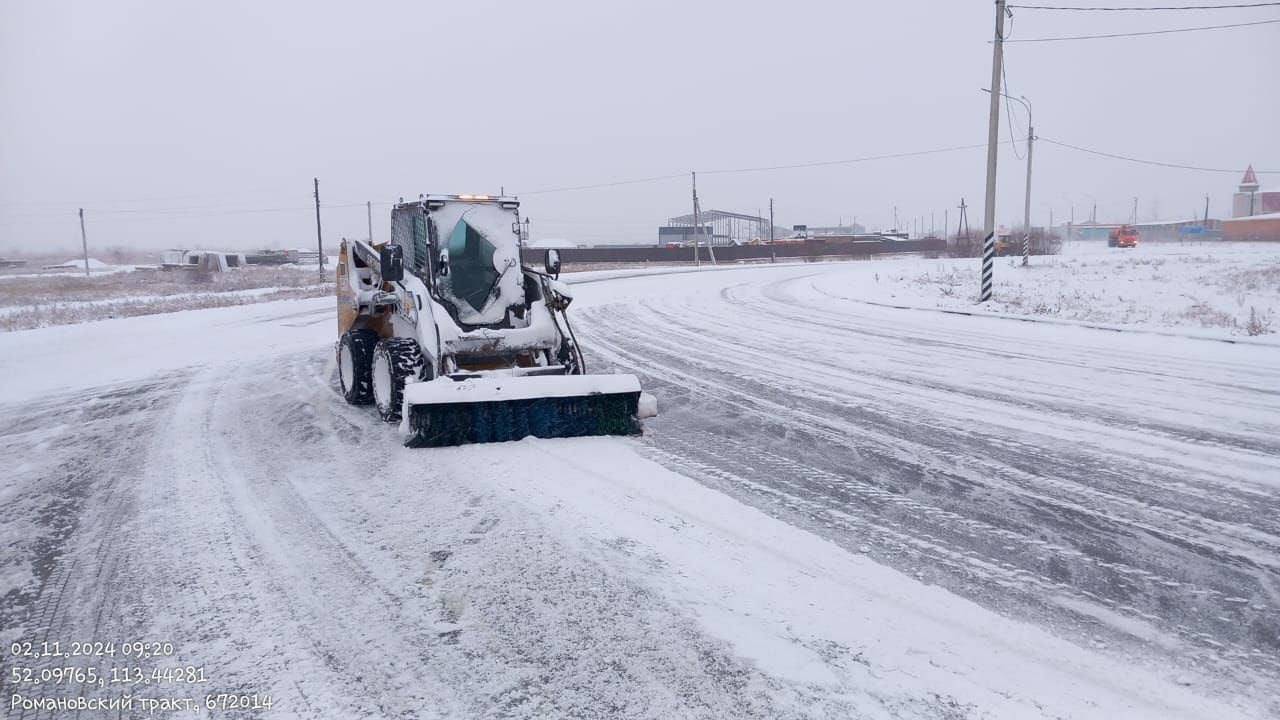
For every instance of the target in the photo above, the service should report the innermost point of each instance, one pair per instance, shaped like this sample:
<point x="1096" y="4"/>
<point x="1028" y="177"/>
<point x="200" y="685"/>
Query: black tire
<point x="394" y="361"/>
<point x="358" y="345"/>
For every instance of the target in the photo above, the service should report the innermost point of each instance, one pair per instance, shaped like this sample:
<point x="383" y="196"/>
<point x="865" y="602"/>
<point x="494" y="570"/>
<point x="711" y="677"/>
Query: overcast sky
<point x="189" y="124"/>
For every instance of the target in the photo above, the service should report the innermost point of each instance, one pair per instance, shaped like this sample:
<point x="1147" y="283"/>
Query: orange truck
<point x="1124" y="236"/>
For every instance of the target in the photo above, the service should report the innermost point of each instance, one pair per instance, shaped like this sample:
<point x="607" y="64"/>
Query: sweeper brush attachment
<point x="457" y="412"/>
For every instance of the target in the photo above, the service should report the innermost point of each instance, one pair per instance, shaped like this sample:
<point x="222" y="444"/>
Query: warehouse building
<point x="1258" y="227"/>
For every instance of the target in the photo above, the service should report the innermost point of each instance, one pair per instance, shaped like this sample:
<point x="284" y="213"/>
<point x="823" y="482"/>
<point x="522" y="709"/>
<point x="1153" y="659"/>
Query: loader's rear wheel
<point x="355" y="359"/>
<point x="394" y="361"/>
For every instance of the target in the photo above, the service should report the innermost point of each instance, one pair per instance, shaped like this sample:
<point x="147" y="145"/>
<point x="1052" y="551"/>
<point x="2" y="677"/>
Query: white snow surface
<point x="288" y="544"/>
<point x="94" y="264"/>
<point x="1197" y="289"/>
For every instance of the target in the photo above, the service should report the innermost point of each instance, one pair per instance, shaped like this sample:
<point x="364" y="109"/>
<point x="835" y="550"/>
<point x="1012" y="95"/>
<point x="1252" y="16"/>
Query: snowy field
<point x="1212" y="289"/>
<point x="33" y="300"/>
<point x="844" y="510"/>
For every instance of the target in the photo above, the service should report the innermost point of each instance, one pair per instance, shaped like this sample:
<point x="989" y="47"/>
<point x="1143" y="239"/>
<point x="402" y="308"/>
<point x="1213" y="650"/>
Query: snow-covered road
<point x="843" y="510"/>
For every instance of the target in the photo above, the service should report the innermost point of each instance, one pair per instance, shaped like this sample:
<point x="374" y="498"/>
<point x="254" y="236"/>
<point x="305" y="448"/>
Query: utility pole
<point x="1135" y="210"/>
<point x="697" y="231"/>
<point x="770" y="221"/>
<point x="993" y="149"/>
<point x="1026" y="209"/>
<point x="697" y="226"/>
<point x="368" y="206"/>
<point x="319" y="240"/>
<point x="1206" y="213"/>
<point x="84" y="241"/>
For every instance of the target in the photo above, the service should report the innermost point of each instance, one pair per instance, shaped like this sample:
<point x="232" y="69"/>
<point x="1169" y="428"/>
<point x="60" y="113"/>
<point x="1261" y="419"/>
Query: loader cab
<point x="466" y="249"/>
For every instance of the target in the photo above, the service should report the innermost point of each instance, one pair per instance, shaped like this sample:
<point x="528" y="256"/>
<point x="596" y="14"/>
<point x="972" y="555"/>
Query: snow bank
<point x="1204" y="289"/>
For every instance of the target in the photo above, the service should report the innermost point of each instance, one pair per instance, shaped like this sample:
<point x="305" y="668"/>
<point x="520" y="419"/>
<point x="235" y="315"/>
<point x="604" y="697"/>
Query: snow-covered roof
<point x="1264" y="216"/>
<point x="550" y="243"/>
<point x="1163" y="223"/>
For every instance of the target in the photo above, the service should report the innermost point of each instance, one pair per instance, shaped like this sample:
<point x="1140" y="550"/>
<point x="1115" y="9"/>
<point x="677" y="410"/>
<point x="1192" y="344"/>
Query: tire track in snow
<point x="1121" y="490"/>
<point x="721" y="365"/>
<point x="91" y="448"/>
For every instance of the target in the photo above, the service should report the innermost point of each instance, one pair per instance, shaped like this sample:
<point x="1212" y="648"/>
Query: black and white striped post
<point x="1026" y="248"/>
<point x="988" y="266"/>
<point x="993" y="144"/>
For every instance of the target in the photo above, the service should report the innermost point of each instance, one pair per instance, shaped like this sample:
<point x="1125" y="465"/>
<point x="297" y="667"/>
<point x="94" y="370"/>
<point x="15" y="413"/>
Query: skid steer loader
<point x="444" y="329"/>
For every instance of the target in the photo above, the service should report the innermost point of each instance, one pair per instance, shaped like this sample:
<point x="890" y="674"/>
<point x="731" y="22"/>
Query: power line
<point x="1148" y="32"/>
<point x="604" y="185"/>
<point x="1140" y="9"/>
<point x="1151" y="162"/>
<point x="197" y="211"/>
<point x="849" y="161"/>
<point x="728" y="171"/>
<point x="1008" y="109"/>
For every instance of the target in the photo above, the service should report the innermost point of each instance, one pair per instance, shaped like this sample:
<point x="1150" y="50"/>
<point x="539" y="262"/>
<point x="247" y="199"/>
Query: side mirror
<point x="443" y="268"/>
<point x="391" y="263"/>
<point x="552" y="262"/>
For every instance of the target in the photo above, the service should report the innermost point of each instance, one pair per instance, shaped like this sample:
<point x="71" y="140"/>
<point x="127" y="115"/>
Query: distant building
<point x="684" y="235"/>
<point x="1179" y="229"/>
<point x="1250" y="199"/>
<point x="1090" y="230"/>
<point x="854" y="229"/>
<point x="1255" y="227"/>
<point x="723" y="227"/>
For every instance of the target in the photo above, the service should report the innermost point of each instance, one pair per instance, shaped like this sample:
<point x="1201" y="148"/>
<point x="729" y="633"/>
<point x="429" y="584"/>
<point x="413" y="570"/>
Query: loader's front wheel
<point x="394" y="361"/>
<point x="355" y="358"/>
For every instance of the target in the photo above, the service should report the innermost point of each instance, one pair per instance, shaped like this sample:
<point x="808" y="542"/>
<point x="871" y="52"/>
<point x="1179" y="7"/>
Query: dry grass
<point x="43" y="290"/>
<point x="1256" y="279"/>
<point x="1205" y="315"/>
<point x="114" y="255"/>
<point x="26" y="318"/>
<point x="1258" y="323"/>
<point x="42" y="301"/>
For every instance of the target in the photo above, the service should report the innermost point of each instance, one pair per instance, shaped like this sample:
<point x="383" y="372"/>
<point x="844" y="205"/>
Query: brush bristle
<point x="443" y="424"/>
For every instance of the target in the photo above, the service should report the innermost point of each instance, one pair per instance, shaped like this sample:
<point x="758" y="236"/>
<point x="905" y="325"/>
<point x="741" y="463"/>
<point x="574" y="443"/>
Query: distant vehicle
<point x="676" y="245"/>
<point x="1004" y="244"/>
<point x="1125" y="236"/>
